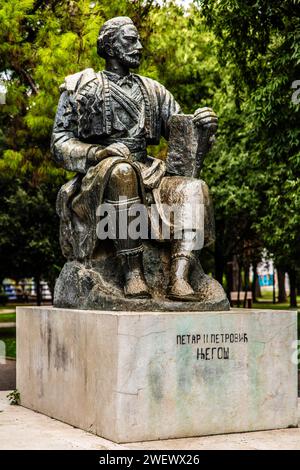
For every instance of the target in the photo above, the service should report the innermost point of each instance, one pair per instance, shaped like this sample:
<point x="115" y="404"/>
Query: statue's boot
<point x="130" y="252"/>
<point x="179" y="287"/>
<point x="207" y="289"/>
<point x="181" y="259"/>
<point x="135" y="282"/>
<point x="123" y="194"/>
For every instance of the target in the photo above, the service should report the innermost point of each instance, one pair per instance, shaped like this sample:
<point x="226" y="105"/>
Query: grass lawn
<point x="266" y="301"/>
<point x="265" y="304"/>
<point x="9" y="337"/>
<point x="7" y="317"/>
<point x="11" y="307"/>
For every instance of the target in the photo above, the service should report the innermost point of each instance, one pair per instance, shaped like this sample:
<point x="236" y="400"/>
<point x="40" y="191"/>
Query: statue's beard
<point x="129" y="60"/>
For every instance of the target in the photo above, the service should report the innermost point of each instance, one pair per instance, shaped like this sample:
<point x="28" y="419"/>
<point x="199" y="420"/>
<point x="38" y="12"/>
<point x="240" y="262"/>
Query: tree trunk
<point x="219" y="266"/>
<point x="246" y="285"/>
<point x="239" y="284"/>
<point x="38" y="290"/>
<point x="293" y="290"/>
<point x="254" y="283"/>
<point x="282" y="297"/>
<point x="51" y="285"/>
<point x="298" y="282"/>
<point x="228" y="273"/>
<point x="257" y="287"/>
<point x="236" y="281"/>
<point x="274" y="291"/>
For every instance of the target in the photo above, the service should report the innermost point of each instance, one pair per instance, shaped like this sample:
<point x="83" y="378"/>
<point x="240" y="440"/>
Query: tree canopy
<point x="258" y="45"/>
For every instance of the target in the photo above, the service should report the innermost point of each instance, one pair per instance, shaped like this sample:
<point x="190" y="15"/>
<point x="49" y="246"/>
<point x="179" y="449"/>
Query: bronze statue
<point x="104" y="123"/>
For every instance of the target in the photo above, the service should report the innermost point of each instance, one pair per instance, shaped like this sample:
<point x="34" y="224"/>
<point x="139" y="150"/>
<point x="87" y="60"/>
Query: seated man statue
<point x="104" y="123"/>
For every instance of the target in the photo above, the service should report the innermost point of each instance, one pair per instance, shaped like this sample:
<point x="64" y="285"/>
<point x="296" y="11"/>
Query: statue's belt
<point x="137" y="147"/>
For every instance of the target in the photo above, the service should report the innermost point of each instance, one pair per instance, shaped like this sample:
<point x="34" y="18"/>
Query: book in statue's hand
<point x="188" y="145"/>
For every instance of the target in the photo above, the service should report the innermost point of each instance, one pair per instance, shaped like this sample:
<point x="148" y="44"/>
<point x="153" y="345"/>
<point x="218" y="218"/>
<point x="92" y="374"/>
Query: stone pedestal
<point x="143" y="376"/>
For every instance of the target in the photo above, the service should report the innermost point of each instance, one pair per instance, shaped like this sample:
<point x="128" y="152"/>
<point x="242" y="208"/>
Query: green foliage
<point x="14" y="397"/>
<point x="258" y="49"/>
<point x="185" y="63"/>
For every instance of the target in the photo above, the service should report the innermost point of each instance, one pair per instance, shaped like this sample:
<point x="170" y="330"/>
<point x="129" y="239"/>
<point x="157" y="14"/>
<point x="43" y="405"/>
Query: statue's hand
<point x="206" y="117"/>
<point x="114" y="150"/>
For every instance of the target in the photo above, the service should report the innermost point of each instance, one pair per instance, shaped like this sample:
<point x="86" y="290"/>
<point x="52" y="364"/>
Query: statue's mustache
<point x="134" y="53"/>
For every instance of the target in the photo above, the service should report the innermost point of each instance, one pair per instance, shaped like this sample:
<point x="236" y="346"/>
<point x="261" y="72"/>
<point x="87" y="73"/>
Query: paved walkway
<point x="7" y="324"/>
<point x="32" y="430"/>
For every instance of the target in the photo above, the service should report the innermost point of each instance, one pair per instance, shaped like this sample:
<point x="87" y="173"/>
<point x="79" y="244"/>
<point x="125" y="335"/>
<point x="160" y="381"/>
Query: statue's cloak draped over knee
<point x="77" y="204"/>
<point x="78" y="200"/>
<point x="95" y="111"/>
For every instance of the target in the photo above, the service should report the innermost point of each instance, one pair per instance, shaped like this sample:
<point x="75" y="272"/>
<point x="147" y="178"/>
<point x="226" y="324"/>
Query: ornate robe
<point x="94" y="111"/>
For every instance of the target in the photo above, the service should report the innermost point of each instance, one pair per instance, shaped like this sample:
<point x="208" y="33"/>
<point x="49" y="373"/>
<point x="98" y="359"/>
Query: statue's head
<point x="120" y="39"/>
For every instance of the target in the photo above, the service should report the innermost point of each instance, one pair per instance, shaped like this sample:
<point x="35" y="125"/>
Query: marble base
<point x="137" y="376"/>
